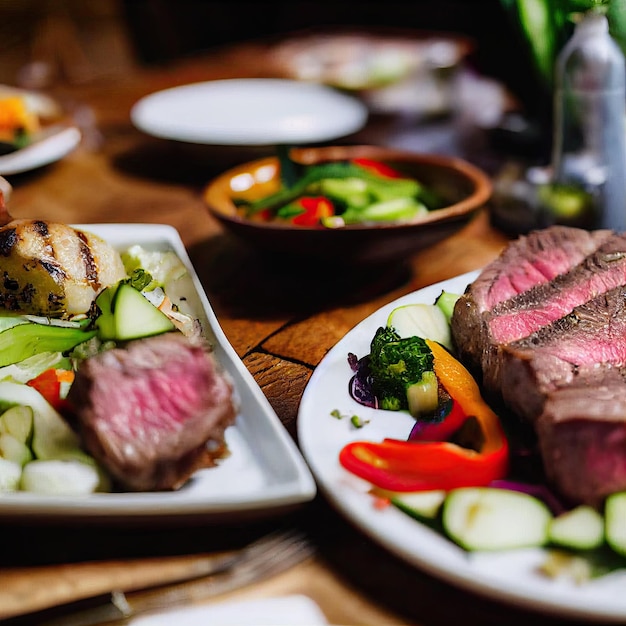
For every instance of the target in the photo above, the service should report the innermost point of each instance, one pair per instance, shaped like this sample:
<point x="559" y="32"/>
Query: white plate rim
<point x="172" y="113"/>
<point x="505" y="577"/>
<point x="292" y="485"/>
<point x="40" y="153"/>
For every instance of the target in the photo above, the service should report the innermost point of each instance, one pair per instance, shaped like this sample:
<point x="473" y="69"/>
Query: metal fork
<point x="269" y="555"/>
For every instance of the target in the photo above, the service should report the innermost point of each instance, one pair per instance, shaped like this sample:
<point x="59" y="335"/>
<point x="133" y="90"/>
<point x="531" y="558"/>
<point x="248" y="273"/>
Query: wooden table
<point x="281" y="321"/>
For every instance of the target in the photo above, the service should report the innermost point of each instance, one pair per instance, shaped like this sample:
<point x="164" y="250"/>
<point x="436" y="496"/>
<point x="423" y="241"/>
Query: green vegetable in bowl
<point x="357" y="191"/>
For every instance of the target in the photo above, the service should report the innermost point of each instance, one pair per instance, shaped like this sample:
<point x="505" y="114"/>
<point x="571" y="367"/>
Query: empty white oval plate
<point x="249" y="111"/>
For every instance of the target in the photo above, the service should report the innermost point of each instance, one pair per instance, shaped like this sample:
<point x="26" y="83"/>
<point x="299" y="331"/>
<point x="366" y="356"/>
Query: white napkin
<point x="293" y="610"/>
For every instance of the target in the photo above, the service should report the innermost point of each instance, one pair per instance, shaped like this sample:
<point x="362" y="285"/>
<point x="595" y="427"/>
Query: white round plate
<point x="507" y="576"/>
<point x="255" y="111"/>
<point x="54" y="144"/>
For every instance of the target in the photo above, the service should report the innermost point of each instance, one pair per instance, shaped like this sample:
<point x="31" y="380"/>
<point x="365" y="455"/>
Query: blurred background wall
<point x="94" y="38"/>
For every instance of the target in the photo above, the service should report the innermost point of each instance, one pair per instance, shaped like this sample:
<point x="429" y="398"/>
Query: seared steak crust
<point x="153" y="411"/>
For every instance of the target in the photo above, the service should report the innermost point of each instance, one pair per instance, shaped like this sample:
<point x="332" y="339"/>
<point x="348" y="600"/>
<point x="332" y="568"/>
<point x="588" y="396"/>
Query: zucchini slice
<point x="615" y="521"/>
<point x="581" y="528"/>
<point x="486" y="518"/>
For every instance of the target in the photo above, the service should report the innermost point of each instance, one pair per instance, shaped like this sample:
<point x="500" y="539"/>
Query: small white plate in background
<point x="250" y="112"/>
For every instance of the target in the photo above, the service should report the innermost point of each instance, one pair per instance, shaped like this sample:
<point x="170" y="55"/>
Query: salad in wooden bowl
<point x="352" y="204"/>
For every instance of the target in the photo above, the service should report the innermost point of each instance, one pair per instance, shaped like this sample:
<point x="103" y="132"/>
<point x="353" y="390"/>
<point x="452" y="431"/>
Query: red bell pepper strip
<point x="397" y="465"/>
<point x="315" y="208"/>
<point x="379" y="168"/>
<point x="50" y="385"/>
<point x="441" y="430"/>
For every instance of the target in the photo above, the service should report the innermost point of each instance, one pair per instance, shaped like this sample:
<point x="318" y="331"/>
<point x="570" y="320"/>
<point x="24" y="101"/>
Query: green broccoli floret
<point x="395" y="364"/>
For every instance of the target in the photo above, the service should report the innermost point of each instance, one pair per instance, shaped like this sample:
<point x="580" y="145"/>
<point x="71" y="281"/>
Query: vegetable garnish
<point x="376" y="167"/>
<point x="307" y="211"/>
<point x="338" y="193"/>
<point x="17" y="123"/>
<point x="355" y="420"/>
<point x="457" y="473"/>
<point x="398" y="465"/>
<point x="53" y="384"/>
<point x="395" y="364"/>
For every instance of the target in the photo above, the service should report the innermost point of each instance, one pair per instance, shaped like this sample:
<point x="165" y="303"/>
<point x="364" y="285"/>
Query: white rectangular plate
<point x="264" y="471"/>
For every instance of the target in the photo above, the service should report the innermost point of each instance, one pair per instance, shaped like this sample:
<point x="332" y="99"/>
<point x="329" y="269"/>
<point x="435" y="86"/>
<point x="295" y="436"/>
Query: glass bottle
<point x="589" y="145"/>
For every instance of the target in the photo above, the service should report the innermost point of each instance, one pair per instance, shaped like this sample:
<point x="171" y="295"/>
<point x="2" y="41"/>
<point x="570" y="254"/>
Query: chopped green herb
<point x="358" y="422"/>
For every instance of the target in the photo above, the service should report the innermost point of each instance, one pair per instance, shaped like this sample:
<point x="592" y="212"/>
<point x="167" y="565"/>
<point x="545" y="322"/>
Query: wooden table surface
<point x="281" y="321"/>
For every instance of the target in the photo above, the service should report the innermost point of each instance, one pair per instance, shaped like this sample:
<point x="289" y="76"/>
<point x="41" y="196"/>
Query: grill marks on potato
<point x="52" y="269"/>
<point x="8" y="238"/>
<point x="91" y="268"/>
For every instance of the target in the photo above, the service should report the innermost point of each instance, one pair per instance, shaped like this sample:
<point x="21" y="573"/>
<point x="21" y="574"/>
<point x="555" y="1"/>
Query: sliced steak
<point x="529" y="311"/>
<point x="153" y="411"/>
<point x="569" y="380"/>
<point x="533" y="260"/>
<point x="578" y="347"/>
<point x="555" y="353"/>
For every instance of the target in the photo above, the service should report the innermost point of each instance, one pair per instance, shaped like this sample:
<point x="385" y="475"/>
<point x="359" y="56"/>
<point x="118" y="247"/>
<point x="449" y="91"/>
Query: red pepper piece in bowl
<point x="379" y="168"/>
<point x="314" y="209"/>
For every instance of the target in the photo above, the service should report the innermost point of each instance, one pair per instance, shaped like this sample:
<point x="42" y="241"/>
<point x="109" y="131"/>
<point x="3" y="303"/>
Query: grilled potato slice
<point x="53" y="269"/>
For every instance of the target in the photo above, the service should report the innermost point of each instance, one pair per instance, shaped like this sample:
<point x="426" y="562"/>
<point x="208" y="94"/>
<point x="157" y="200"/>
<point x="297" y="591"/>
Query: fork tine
<point x="278" y="539"/>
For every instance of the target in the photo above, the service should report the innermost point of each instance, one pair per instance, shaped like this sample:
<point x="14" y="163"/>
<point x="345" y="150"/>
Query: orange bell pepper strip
<point x="397" y="465"/>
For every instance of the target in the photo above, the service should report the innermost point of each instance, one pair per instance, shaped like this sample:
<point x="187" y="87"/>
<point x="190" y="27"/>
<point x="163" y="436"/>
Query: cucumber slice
<point x="60" y="478"/>
<point x="10" y="474"/>
<point x="581" y="528"/>
<point x="484" y="518"/>
<point x="130" y="316"/>
<point x="52" y="436"/>
<point x="422" y="505"/>
<point x="615" y="521"/>
<point x="446" y="302"/>
<point x="14" y="450"/>
<point x="26" y="340"/>
<point x="427" y="321"/>
<point x="106" y="322"/>
<point x="18" y="421"/>
<point x="423" y="396"/>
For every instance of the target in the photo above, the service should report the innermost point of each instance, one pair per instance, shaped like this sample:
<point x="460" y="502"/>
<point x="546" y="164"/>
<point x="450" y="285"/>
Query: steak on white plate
<point x="555" y="351"/>
<point x="154" y="410"/>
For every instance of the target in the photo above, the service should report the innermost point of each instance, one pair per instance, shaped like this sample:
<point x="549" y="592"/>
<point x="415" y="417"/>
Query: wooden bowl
<point x="465" y="187"/>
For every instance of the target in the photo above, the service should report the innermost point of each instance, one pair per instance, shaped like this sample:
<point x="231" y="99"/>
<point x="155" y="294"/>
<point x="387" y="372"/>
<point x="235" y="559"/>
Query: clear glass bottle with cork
<point x="588" y="165"/>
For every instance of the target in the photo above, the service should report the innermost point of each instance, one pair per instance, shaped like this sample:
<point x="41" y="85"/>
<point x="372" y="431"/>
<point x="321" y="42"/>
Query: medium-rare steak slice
<point x="153" y="411"/>
<point x="529" y="261"/>
<point x="526" y="313"/>
<point x="577" y="347"/>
